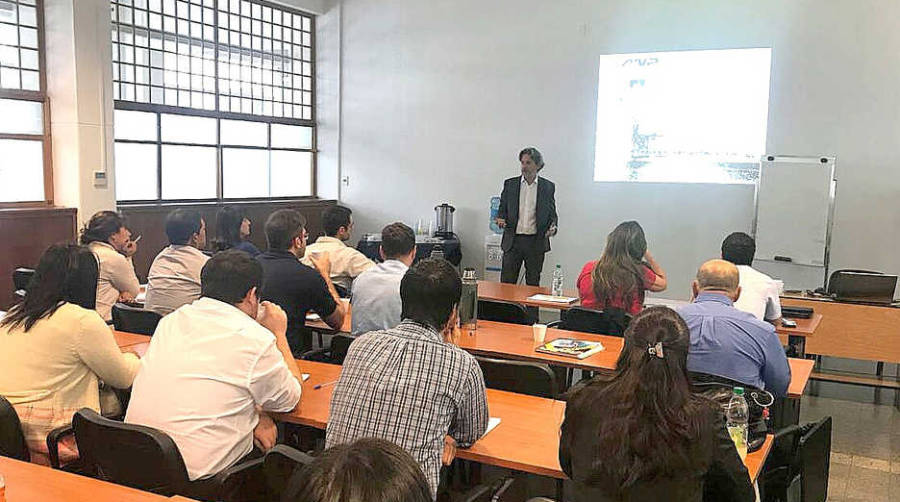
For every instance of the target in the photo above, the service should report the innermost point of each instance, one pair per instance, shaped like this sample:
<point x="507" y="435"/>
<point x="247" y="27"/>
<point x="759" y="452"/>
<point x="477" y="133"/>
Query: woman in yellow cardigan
<point x="55" y="349"/>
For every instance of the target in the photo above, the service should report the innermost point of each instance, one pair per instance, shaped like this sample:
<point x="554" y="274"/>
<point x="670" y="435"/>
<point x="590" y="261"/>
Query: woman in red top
<point x="620" y="277"/>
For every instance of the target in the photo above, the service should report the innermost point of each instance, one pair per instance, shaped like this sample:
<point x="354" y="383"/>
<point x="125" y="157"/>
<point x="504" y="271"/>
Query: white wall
<point x="438" y="96"/>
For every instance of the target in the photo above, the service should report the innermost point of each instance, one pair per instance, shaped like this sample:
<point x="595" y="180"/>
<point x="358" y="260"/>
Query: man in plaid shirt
<point x="409" y="384"/>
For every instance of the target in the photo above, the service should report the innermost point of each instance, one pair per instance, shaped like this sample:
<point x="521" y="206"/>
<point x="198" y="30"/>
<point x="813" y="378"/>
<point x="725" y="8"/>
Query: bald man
<point x="727" y="342"/>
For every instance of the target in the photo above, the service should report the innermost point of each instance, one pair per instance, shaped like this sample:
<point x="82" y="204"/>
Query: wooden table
<point x="512" y="341"/>
<point x="26" y="482"/>
<point x="527" y="438"/>
<point x="519" y="293"/>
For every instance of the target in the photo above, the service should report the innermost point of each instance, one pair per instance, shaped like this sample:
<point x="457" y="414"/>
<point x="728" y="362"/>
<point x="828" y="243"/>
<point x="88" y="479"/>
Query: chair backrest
<point x="21" y="277"/>
<point x="127" y="454"/>
<point x="279" y="466"/>
<point x="503" y="311"/>
<point x="609" y="322"/>
<point x="815" y="461"/>
<point x="534" y="379"/>
<point x="12" y="441"/>
<point x="134" y="319"/>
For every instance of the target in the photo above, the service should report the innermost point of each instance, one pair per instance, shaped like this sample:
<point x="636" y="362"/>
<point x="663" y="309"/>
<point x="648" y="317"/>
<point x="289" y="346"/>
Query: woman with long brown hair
<point x="641" y="434"/>
<point x="622" y="274"/>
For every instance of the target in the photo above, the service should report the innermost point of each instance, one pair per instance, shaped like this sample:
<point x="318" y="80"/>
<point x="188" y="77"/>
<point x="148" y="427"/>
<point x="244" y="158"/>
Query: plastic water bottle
<point x="737" y="417"/>
<point x="468" y="303"/>
<point x="556" y="287"/>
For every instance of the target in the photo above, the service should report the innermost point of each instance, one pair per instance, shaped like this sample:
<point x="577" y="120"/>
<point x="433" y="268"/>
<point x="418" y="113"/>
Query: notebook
<point x="552" y="299"/>
<point x="570" y="347"/>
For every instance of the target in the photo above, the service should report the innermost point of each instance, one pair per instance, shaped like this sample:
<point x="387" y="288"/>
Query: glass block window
<point x="167" y="156"/>
<point x="236" y="56"/>
<point x="228" y="86"/>
<point x="25" y="173"/>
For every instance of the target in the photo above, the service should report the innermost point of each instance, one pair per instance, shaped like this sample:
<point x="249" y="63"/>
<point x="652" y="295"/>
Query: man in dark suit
<point x="527" y="216"/>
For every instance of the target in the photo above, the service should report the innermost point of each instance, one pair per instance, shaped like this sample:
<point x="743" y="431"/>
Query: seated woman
<point x="365" y="470"/>
<point x="55" y="349"/>
<point x="110" y="240"/>
<point x="640" y="434"/>
<point x="622" y="274"/>
<point x="232" y="231"/>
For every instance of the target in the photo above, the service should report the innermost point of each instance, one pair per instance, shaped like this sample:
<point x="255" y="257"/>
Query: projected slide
<point x="682" y="117"/>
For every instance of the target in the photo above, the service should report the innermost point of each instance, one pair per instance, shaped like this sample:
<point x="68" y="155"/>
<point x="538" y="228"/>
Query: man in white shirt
<point x="376" y="292"/>
<point x="212" y="364"/>
<point x="174" y="278"/>
<point x="110" y="240"/>
<point x="346" y="262"/>
<point x="759" y="293"/>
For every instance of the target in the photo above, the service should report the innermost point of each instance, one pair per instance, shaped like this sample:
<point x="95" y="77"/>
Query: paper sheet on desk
<point x="492" y="422"/>
<point x="552" y="299"/>
<point x="312" y="316"/>
<point x="304" y="376"/>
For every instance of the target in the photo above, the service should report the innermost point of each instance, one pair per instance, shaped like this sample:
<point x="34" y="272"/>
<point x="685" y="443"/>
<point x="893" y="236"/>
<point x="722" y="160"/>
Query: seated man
<point x="759" y="293"/>
<point x="410" y="385"/>
<point x="212" y="364"/>
<point x="294" y="286"/>
<point x="346" y="262"/>
<point x="728" y="342"/>
<point x="174" y="278"/>
<point x="376" y="292"/>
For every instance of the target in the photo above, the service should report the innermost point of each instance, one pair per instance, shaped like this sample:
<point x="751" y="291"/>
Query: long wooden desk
<point x="519" y="293"/>
<point x="26" y="482"/>
<point x="514" y="341"/>
<point x="527" y="438"/>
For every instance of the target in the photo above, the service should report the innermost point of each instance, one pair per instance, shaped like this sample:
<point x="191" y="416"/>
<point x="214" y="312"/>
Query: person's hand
<point x="272" y="318"/>
<point x="129" y="249"/>
<point x="125" y="297"/>
<point x="321" y="262"/>
<point x="551" y="231"/>
<point x="501" y="222"/>
<point x="265" y="434"/>
<point x="449" y="450"/>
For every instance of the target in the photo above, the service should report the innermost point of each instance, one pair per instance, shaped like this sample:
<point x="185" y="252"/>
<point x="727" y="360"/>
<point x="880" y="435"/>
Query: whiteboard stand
<point x="794" y="202"/>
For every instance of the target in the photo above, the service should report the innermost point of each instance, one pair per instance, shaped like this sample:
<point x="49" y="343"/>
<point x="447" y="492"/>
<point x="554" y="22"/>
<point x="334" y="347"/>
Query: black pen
<point x="319" y="386"/>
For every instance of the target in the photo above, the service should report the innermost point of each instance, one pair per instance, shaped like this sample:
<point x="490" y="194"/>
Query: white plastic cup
<point x="540" y="332"/>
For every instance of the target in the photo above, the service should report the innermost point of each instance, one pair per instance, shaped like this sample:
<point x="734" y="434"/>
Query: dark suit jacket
<point x="509" y="209"/>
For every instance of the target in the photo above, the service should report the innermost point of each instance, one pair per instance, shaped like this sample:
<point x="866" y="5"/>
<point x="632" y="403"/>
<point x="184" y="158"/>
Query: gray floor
<point x="865" y="459"/>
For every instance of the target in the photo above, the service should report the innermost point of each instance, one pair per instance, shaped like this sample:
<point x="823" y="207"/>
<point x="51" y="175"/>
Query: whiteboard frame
<point x="831" y="196"/>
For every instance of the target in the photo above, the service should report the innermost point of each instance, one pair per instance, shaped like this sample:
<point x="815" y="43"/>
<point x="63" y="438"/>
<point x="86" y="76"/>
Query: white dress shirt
<point x="174" y="278"/>
<point x="527" y="224"/>
<point x="376" y="297"/>
<point x="116" y="277"/>
<point x="208" y="367"/>
<point x="346" y="262"/>
<point x="759" y="294"/>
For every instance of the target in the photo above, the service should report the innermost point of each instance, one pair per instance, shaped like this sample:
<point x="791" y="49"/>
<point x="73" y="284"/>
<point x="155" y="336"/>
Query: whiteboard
<point x="794" y="204"/>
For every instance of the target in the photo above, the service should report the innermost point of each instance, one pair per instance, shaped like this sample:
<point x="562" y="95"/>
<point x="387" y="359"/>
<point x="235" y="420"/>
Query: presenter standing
<point x="527" y="216"/>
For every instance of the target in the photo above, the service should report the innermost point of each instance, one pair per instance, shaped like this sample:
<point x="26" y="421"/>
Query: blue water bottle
<point x="495" y="210"/>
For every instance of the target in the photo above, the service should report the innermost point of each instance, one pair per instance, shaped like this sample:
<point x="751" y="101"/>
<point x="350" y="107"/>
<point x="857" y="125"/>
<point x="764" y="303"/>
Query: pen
<point x="319" y="386"/>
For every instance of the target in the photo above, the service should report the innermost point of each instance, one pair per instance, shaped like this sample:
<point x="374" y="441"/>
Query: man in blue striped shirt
<point x="730" y="343"/>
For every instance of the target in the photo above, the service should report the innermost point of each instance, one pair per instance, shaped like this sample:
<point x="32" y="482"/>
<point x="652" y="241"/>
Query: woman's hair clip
<point x="656" y="350"/>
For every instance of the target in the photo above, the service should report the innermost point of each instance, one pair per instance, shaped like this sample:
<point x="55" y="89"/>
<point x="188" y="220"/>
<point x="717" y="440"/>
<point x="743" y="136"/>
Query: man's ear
<point x="251" y="295"/>
<point x="695" y="288"/>
<point x="381" y="253"/>
<point x="737" y="294"/>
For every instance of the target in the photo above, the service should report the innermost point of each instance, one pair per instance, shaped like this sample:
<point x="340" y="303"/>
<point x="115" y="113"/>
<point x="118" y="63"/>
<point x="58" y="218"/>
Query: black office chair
<point x="534" y="379"/>
<point x="21" y="278"/>
<point x="334" y="353"/>
<point x="503" y="311"/>
<point x="602" y="322"/>
<point x="134" y="319"/>
<point x="148" y="459"/>
<point x="12" y="439"/>
<point x="798" y="466"/>
<point x="280" y="465"/>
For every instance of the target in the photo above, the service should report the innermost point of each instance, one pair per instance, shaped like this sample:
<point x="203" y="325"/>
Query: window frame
<point x="39" y="96"/>
<point x="160" y="109"/>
